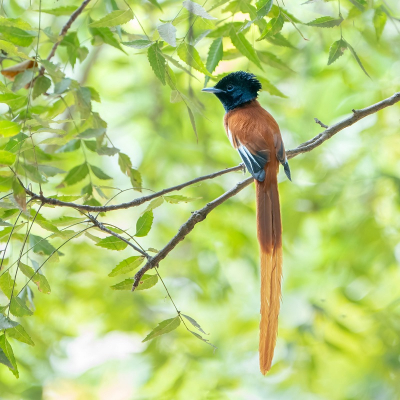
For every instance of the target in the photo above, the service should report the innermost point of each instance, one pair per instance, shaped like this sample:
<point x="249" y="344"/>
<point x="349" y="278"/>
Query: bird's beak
<point x="212" y="90"/>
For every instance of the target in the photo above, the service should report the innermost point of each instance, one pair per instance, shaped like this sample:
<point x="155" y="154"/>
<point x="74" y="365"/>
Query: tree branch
<point x="64" y="31"/>
<point x="187" y="227"/>
<point x="133" y="203"/>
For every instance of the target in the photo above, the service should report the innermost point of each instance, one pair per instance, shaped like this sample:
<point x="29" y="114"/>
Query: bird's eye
<point x="229" y="88"/>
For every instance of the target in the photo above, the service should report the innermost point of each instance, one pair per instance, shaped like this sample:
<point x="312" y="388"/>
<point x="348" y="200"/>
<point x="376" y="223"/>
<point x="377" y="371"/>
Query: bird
<point x="255" y="134"/>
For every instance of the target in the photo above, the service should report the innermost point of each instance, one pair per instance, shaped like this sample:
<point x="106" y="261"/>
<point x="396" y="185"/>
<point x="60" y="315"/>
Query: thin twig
<point x="321" y="123"/>
<point x="187" y="227"/>
<point x="64" y="31"/>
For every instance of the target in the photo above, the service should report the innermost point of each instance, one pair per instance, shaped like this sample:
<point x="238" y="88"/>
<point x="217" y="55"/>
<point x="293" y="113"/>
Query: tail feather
<point x="269" y="231"/>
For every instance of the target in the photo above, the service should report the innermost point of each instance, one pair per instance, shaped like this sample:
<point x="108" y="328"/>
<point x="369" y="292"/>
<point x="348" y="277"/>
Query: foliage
<point x="98" y="123"/>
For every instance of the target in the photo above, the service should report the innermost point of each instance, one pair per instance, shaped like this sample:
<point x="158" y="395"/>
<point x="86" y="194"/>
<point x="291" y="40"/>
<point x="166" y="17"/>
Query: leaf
<point x="194" y="323"/>
<point x="22" y="79"/>
<point x="62" y="86"/>
<point x="20" y="334"/>
<point x="264" y="7"/>
<point x="76" y="174"/>
<point x="325" y="22"/>
<point x="6" y="284"/>
<point x="147" y="282"/>
<point x="19" y="193"/>
<point x="66" y="10"/>
<point x="19" y="308"/>
<point x="154" y="204"/>
<point x="112" y="243"/>
<point x="138" y="44"/>
<point x="16" y="36"/>
<point x="14" y="101"/>
<point x="380" y="18"/>
<point x="177" y="198"/>
<point x="92" y="133"/>
<point x="42" y="84"/>
<point x="7" y="356"/>
<point x="7" y="323"/>
<point x="157" y="62"/>
<point x="155" y="3"/>
<point x="197" y="9"/>
<point x="106" y="36"/>
<point x="273" y="61"/>
<point x="192" y="120"/>
<point x="118" y="17"/>
<point x="177" y="65"/>
<point x="273" y="27"/>
<point x="136" y="179"/>
<point x="12" y="50"/>
<point x="127" y="265"/>
<point x="99" y="173"/>
<point x="245" y="48"/>
<point x="41" y="245"/>
<point x="189" y="55"/>
<point x="279" y="40"/>
<point x="360" y="4"/>
<point x="336" y="50"/>
<point x="163" y="327"/>
<point x="8" y="128"/>
<point x="201" y="338"/>
<point x="168" y="33"/>
<point x="124" y="163"/>
<point x="38" y="279"/>
<point x="215" y="54"/>
<point x="353" y="52"/>
<point x="7" y="158"/>
<point x="270" y="88"/>
<point x="143" y="224"/>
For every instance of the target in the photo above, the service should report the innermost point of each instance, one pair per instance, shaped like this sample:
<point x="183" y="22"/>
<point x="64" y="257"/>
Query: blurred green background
<point x="340" y="318"/>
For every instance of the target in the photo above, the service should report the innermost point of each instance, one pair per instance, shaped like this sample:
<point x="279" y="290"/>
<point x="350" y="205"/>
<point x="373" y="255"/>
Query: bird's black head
<point x="236" y="89"/>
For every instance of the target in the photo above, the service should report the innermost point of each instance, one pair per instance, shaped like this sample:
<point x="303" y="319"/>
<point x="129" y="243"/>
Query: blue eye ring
<point x="229" y="88"/>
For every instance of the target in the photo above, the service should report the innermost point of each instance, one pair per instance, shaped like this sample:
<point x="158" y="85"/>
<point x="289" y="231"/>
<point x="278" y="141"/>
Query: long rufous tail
<point x="269" y="231"/>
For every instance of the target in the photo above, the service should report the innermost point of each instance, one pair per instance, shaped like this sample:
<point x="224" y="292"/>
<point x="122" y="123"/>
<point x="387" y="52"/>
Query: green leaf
<point x="105" y="36"/>
<point x="7" y="355"/>
<point x="163" y="327"/>
<point x="127" y="265"/>
<point x="215" y="54"/>
<point x="157" y="62"/>
<point x="147" y="282"/>
<point x="19" y="308"/>
<point x="177" y="198"/>
<point x="92" y="133"/>
<point x="7" y="158"/>
<point x="279" y="40"/>
<point x="76" y="174"/>
<point x="41" y="246"/>
<point x="99" y="173"/>
<point x="336" y="50"/>
<point x="138" y="44"/>
<point x="177" y="65"/>
<point x="42" y="84"/>
<point x="7" y="323"/>
<point x="38" y="279"/>
<point x="197" y="9"/>
<point x="143" y="224"/>
<point x="118" y="17"/>
<point x="270" y="88"/>
<point x="136" y="179"/>
<point x="192" y="120"/>
<point x="16" y="36"/>
<point x="22" y="79"/>
<point x="124" y="163"/>
<point x="360" y="4"/>
<point x="325" y="22"/>
<point x="14" y="101"/>
<point x="8" y="128"/>
<point x="353" y="52"/>
<point x="19" y="193"/>
<point x="168" y="33"/>
<point x="6" y="284"/>
<point x="242" y="44"/>
<point x="273" y="27"/>
<point x="273" y="61"/>
<point x="20" y="334"/>
<point x="380" y="18"/>
<point x="189" y="55"/>
<point x="154" y="204"/>
<point x="62" y="86"/>
<point x="201" y="338"/>
<point x="112" y="243"/>
<point x="194" y="323"/>
<point x="66" y="10"/>
<point x="12" y="50"/>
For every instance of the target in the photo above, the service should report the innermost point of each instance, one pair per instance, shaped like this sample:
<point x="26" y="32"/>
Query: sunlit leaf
<point x="273" y="27"/>
<point x="20" y="334"/>
<point x="144" y="223"/>
<point x="336" y="50"/>
<point x="37" y="278"/>
<point x="17" y="36"/>
<point x="59" y="11"/>
<point x="19" y="308"/>
<point x="154" y="204"/>
<point x="188" y="54"/>
<point x="215" y="54"/>
<point x="76" y="174"/>
<point x="127" y="265"/>
<point x="380" y="18"/>
<point x="7" y="323"/>
<point x="12" y="50"/>
<point x="6" y="158"/>
<point x="19" y="193"/>
<point x="138" y="44"/>
<point x="163" y="327"/>
<point x="7" y="355"/>
<point x="112" y="243"/>
<point x="197" y="9"/>
<point x="168" y="33"/>
<point x="40" y="245"/>
<point x="99" y="173"/>
<point x="325" y="22"/>
<point x="269" y="87"/>
<point x="177" y="198"/>
<point x="118" y="17"/>
<point x="42" y="84"/>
